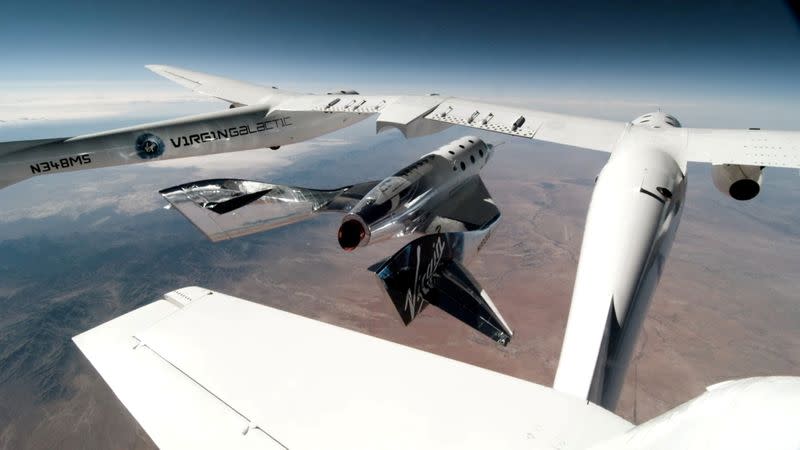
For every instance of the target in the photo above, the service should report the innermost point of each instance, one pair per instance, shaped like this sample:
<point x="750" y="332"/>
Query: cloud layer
<point x="20" y="103"/>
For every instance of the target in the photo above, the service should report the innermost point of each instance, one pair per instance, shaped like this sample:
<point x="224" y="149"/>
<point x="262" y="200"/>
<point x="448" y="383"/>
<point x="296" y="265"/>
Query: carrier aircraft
<point x="633" y="216"/>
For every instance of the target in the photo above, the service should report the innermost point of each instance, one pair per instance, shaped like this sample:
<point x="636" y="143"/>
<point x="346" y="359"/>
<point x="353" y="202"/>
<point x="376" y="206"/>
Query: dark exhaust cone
<point x="351" y="233"/>
<point x="426" y="271"/>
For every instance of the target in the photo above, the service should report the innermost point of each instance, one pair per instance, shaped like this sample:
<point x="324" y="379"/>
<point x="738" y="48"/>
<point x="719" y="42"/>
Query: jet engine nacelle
<point x="736" y="181"/>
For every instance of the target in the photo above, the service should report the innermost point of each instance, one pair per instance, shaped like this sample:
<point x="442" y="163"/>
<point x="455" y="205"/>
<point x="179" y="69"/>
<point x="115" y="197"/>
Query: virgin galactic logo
<point x="149" y="146"/>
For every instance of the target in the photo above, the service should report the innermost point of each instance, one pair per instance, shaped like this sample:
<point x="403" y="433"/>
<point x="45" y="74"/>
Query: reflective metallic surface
<point x="440" y="196"/>
<point x="424" y="197"/>
<point x="227" y="208"/>
<point x="430" y="270"/>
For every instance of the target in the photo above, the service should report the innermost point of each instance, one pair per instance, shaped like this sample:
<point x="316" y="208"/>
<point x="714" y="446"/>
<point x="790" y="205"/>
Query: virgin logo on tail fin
<point x="415" y="296"/>
<point x="426" y="272"/>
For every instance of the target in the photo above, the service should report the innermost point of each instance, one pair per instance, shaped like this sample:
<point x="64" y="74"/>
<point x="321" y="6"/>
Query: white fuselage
<point x="736" y="414"/>
<point x="250" y="127"/>
<point x="633" y="215"/>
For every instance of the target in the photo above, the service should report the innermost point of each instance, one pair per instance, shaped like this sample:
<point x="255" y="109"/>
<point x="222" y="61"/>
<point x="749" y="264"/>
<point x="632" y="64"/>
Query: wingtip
<point x="154" y="67"/>
<point x="163" y="68"/>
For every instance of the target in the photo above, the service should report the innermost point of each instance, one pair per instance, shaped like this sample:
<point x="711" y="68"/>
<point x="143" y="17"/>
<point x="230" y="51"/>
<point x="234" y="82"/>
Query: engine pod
<point x="737" y="181"/>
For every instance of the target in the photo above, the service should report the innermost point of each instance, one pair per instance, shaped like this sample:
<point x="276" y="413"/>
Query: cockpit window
<point x="406" y="193"/>
<point x="414" y="166"/>
<point x="672" y="121"/>
<point x="386" y="189"/>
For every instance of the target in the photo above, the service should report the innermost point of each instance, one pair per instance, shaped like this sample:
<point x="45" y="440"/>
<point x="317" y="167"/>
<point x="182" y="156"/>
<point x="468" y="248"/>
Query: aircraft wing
<point x="217" y="132"/>
<point x="744" y="147"/>
<point x="225" y="209"/>
<point x="422" y="115"/>
<point x="471" y="205"/>
<point x="238" y="93"/>
<point x="593" y="134"/>
<point x="200" y="369"/>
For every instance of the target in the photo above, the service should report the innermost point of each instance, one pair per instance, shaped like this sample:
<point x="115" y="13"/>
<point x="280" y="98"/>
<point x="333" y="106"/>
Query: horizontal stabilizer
<point x="228" y="208"/>
<point x="427" y="271"/>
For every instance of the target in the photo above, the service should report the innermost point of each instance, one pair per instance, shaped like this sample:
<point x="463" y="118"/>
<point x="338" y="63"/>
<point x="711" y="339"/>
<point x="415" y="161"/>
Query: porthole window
<point x="480" y="151"/>
<point x="463" y="166"/>
<point x="454" y="168"/>
<point x="472" y="158"/>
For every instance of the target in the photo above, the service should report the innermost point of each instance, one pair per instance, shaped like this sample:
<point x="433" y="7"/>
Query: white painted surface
<point x="205" y="371"/>
<point x="752" y="413"/>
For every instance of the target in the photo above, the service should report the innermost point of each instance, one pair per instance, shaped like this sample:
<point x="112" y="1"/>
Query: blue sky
<point x="609" y="60"/>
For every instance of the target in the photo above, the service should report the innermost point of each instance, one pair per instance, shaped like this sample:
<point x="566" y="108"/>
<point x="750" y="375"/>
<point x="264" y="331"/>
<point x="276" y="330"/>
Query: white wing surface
<point x="594" y="134"/>
<point x="200" y="369"/>
<point x="422" y="115"/>
<point x="268" y="117"/>
<point x="745" y="147"/>
<point x="414" y="115"/>
<point x="232" y="91"/>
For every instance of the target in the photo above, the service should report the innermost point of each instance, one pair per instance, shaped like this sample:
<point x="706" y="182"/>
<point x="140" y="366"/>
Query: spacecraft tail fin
<point x="428" y="271"/>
